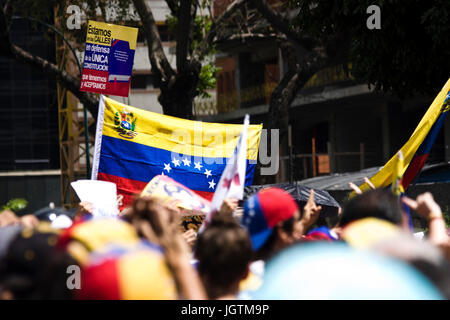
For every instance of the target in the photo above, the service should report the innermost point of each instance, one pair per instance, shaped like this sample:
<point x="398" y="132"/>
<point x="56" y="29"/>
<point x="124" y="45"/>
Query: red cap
<point x="277" y="205"/>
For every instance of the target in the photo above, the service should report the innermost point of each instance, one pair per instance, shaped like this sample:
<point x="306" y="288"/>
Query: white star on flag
<point x="167" y="167"/>
<point x="176" y="162"/>
<point x="198" y="166"/>
<point x="187" y="162"/>
<point x="211" y="184"/>
<point x="208" y="173"/>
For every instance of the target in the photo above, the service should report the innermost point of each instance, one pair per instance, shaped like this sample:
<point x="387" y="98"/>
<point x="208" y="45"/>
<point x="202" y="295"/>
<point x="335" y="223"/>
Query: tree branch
<point x="173" y="6"/>
<point x="231" y="9"/>
<point x="282" y="24"/>
<point x="297" y="75"/>
<point x="64" y="78"/>
<point x="160" y="65"/>
<point x="253" y="36"/>
<point x="5" y="43"/>
<point x="183" y="39"/>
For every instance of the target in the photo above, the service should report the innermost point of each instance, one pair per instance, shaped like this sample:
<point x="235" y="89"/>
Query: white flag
<point x="231" y="184"/>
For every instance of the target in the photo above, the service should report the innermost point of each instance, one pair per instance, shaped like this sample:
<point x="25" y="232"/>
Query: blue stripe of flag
<point x="139" y="162"/>
<point x="426" y="145"/>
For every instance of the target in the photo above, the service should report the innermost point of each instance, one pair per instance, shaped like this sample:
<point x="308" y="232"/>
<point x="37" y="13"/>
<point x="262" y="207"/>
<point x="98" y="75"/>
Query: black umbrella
<point x="50" y="213"/>
<point x="330" y="207"/>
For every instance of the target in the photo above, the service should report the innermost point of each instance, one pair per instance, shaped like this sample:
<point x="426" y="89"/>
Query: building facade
<point x="338" y="124"/>
<point x="29" y="144"/>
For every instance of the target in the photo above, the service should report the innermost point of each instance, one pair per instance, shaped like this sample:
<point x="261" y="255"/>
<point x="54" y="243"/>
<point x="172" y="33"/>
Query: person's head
<point x="224" y="252"/>
<point x="34" y="268"/>
<point x="378" y="203"/>
<point x="85" y="237"/>
<point x="140" y="274"/>
<point x="270" y="217"/>
<point x="422" y="255"/>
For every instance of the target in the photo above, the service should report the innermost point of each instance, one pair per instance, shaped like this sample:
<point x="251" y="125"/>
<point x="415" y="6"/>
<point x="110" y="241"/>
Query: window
<point x="143" y="81"/>
<point x="28" y="112"/>
<point x="164" y="33"/>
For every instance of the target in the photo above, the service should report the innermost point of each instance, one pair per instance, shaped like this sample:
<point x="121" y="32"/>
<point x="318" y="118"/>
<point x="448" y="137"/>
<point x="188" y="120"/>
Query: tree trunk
<point x="177" y="94"/>
<point x="294" y="79"/>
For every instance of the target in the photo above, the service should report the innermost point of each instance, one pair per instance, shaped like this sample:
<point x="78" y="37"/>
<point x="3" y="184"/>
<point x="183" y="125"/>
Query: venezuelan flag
<point x="417" y="148"/>
<point x="133" y="145"/>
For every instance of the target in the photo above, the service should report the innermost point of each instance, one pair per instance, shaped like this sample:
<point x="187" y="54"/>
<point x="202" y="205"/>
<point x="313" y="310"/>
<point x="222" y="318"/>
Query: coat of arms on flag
<point x="125" y="122"/>
<point x="132" y="146"/>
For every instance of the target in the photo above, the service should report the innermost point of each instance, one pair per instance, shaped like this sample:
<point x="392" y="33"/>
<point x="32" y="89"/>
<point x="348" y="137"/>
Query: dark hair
<point x="223" y="251"/>
<point x="378" y="203"/>
<point x="266" y="251"/>
<point x="437" y="273"/>
<point x="34" y="269"/>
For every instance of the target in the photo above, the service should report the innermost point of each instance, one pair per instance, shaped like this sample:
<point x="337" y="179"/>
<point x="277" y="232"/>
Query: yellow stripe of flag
<point x="188" y="137"/>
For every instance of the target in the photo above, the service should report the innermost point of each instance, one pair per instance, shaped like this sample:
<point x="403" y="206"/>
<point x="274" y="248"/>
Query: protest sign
<point x="102" y="195"/>
<point x="165" y="188"/>
<point x="108" y="58"/>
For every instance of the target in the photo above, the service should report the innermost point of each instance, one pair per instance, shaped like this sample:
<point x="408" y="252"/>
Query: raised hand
<point x="311" y="213"/>
<point x="119" y="200"/>
<point x="355" y="188"/>
<point x="29" y="221"/>
<point x="229" y="205"/>
<point x="84" y="208"/>
<point x="426" y="207"/>
<point x="160" y="223"/>
<point x="190" y="237"/>
<point x="369" y="183"/>
<point x="8" y="218"/>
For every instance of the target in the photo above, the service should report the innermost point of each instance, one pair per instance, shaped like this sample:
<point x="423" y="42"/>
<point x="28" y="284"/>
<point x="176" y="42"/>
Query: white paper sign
<point x="102" y="195"/>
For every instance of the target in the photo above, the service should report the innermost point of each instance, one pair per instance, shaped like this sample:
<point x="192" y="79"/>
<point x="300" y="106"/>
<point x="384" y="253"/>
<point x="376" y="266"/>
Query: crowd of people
<point x="267" y="248"/>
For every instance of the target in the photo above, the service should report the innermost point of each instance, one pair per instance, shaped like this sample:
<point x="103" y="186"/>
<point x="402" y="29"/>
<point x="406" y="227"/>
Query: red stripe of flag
<point x="414" y="167"/>
<point x="129" y="188"/>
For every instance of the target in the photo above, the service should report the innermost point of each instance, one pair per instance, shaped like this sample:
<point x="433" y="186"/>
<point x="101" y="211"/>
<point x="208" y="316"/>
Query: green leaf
<point x="16" y="204"/>
<point x="207" y="79"/>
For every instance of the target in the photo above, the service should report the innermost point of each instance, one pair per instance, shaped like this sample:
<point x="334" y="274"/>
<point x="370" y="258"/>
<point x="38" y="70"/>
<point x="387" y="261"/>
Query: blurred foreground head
<point x="269" y="217"/>
<point x="337" y="272"/>
<point x="33" y="268"/>
<point x="96" y="235"/>
<point x="224" y="252"/>
<point x="422" y="255"/>
<point x="133" y="275"/>
<point x="118" y="260"/>
<point x="378" y="203"/>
